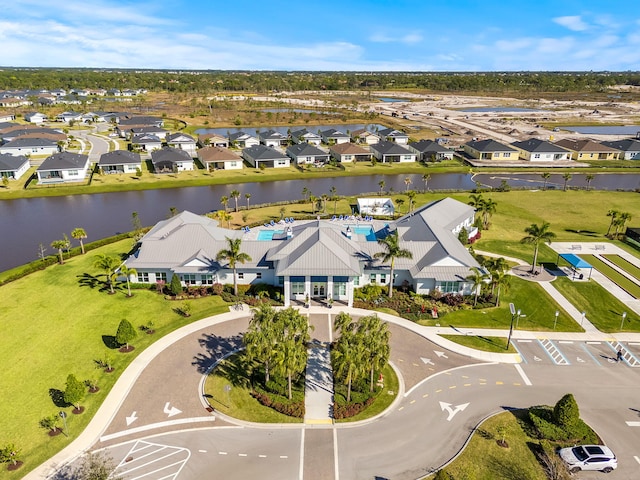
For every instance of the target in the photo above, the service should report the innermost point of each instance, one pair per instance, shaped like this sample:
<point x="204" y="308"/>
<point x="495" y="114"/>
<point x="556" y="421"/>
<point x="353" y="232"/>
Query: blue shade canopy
<point x="575" y="261"/>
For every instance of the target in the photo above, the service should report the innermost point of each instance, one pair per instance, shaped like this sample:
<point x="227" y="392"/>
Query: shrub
<point x="175" y="287"/>
<point x="348" y="410"/>
<point x="293" y="409"/>
<point x="217" y="289"/>
<point x="566" y="412"/>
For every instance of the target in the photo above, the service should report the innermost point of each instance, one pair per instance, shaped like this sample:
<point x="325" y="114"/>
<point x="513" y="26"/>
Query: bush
<point x="175" y="287"/>
<point x="217" y="289"/>
<point x="293" y="409"/>
<point x="348" y="410"/>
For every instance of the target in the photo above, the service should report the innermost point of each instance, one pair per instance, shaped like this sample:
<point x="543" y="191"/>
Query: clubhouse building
<point x="319" y="258"/>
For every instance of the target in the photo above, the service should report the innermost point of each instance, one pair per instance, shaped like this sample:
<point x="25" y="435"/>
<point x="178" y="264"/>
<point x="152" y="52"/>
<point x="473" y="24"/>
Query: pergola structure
<point x="575" y="261"/>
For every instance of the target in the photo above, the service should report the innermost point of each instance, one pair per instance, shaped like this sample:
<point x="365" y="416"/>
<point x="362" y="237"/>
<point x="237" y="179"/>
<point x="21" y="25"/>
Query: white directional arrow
<point x="452" y="411"/>
<point x="171" y="411"/>
<point x="440" y="354"/>
<point x="580" y="360"/>
<point x="536" y="358"/>
<point x="131" y="419"/>
<point x="426" y="361"/>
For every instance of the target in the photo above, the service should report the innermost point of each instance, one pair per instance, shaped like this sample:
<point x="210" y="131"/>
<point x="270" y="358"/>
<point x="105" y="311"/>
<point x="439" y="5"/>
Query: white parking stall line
<point x="524" y="341"/>
<point x="151" y="474"/>
<point x="554" y="353"/>
<point x="584" y="347"/>
<point x="637" y="459"/>
<point x="524" y="359"/>
<point x="565" y="341"/>
<point x="155" y="460"/>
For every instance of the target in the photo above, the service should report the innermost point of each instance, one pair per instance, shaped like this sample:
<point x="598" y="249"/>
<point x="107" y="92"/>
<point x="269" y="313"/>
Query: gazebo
<point x="575" y="262"/>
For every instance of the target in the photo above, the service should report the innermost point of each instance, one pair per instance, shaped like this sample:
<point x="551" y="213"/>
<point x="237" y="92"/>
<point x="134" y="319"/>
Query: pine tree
<point x="125" y="333"/>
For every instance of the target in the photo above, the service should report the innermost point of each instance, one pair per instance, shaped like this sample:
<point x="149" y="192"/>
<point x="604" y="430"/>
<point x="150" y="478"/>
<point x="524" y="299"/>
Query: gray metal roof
<point x="120" y="157"/>
<point x="305" y="149"/>
<point x="535" y="145"/>
<point x="10" y="162"/>
<point x="170" y="154"/>
<point x="29" y="142"/>
<point x="627" y="145"/>
<point x="64" y="161"/>
<point x="428" y="146"/>
<point x="391" y="148"/>
<point x="262" y="152"/>
<point x="489" y="146"/>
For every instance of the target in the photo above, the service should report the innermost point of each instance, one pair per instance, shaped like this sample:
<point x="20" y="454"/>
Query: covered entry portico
<point x="319" y="288"/>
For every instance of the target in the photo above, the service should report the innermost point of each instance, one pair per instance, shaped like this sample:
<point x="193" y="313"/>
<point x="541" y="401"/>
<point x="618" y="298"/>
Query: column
<point x="287" y="291"/>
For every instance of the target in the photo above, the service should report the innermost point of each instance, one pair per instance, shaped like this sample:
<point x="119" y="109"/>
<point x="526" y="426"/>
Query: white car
<point x="589" y="457"/>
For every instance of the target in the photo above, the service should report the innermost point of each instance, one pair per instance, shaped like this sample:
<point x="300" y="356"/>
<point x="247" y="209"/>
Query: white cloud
<point x="573" y="22"/>
<point x="409" y="38"/>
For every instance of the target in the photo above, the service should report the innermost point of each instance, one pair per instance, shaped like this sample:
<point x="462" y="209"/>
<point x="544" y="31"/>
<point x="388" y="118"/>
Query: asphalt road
<point x="446" y="395"/>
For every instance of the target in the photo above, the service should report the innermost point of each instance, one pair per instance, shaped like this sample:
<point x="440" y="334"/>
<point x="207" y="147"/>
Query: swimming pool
<point x="267" y="235"/>
<point x="367" y="231"/>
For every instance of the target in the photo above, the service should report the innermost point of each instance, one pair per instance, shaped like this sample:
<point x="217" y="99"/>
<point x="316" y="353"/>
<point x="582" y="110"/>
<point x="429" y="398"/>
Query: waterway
<point x="31" y="221"/>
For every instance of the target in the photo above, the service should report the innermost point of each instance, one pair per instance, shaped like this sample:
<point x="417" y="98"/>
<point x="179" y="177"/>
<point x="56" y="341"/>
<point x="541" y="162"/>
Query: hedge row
<point x="293" y="409"/>
<point x="348" y="410"/>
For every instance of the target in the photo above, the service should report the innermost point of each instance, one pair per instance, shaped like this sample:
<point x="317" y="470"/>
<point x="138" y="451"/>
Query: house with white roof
<point x="319" y="258"/>
<point x="35" y="117"/>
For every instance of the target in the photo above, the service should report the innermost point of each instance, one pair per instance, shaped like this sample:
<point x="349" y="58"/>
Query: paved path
<point x="318" y="390"/>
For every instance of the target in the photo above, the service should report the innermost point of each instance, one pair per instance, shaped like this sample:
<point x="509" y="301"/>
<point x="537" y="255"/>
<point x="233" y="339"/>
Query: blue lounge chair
<point x="267" y="225"/>
<point x="340" y="217"/>
<point x="272" y="223"/>
<point x="290" y="219"/>
<point x="333" y="219"/>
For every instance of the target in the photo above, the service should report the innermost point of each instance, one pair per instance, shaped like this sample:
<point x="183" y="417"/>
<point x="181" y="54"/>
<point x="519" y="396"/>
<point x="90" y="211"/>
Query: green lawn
<point x="484" y="459"/>
<point x="612" y="274"/>
<point x="624" y="264"/>
<point x="602" y="308"/>
<point x="53" y="326"/>
<point x="486" y="344"/>
<point x="528" y="297"/>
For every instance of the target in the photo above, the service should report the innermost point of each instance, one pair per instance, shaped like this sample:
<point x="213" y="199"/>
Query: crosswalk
<point x="544" y="351"/>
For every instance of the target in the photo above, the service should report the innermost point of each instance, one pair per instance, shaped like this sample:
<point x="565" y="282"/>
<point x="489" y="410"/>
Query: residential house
<point x="213" y="140"/>
<point x="393" y="135"/>
<point x="535" y="150"/>
<point x="428" y="150"/>
<point x="334" y="137"/>
<point x="349" y="152"/>
<point x="305" y="136"/>
<point x="13" y="166"/>
<point x="161" y="133"/>
<point x="318" y="259"/>
<point x="182" y="141"/>
<point x="120" y="161"/>
<point x="261" y="155"/>
<point x="169" y="160"/>
<point x="271" y="138"/>
<point x="63" y="167"/>
<point x="35" y="117"/>
<point x="489" y="150"/>
<point x="68" y="117"/>
<point x="629" y="149"/>
<point x="304" y="153"/>
<point x="364" y="136"/>
<point x="12" y="133"/>
<point x="6" y="117"/>
<point x="14" y="102"/>
<point x="219" y="158"/>
<point x="242" y="140"/>
<point x="146" y="142"/>
<point x="30" y="146"/>
<point x="586" y="149"/>
<point x="140" y="120"/>
<point x="388" y="152"/>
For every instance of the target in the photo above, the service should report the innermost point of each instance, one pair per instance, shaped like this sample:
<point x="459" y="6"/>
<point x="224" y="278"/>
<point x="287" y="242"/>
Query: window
<point x="348" y="158"/>
<point x="372" y="278"/>
<point x="207" y="279"/>
<point x="356" y="281"/>
<point x="233" y="164"/>
<point x="339" y="289"/>
<point x="448" y="287"/>
<point x="383" y="278"/>
<point x="537" y="155"/>
<point x="259" y="275"/>
<point x="280" y="280"/>
<point x="241" y="275"/>
<point x="297" y="288"/>
<point x="281" y="162"/>
<point x="73" y="173"/>
<point x="506" y="154"/>
<point x="407" y="158"/>
<point x="161" y="277"/>
<point x="189" y="279"/>
<point x="143" y="277"/>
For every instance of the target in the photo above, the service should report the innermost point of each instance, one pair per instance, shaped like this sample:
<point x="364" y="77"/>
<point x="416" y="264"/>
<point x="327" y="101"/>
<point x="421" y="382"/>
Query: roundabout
<point x="156" y="424"/>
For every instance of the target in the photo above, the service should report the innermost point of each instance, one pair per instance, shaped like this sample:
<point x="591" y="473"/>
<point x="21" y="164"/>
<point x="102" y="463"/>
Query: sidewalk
<point x="318" y="390"/>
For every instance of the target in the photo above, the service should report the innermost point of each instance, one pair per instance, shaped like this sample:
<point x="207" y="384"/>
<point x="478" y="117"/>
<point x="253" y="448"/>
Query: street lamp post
<point x="518" y="315"/>
<point x="512" y="309"/>
<point x="556" y="319"/>
<point x="624" y="316"/>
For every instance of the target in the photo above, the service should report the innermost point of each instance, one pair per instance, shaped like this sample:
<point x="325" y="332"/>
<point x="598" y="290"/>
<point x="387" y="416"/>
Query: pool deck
<point x="352" y="222"/>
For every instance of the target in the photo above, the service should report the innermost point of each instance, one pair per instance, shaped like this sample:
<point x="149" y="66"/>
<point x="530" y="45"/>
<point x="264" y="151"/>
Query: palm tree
<point x="476" y="278"/>
<point x="60" y="245"/>
<point x="487" y="208"/>
<point x="614" y="216"/>
<point x="312" y="200"/>
<point x="381" y="184"/>
<point x="502" y="281"/>
<point x="348" y="360"/>
<point x="127" y="272"/>
<point x="589" y="178"/>
<point x="566" y="177"/>
<point x="324" y="198"/>
<point x="392" y="250"/>
<point x="235" y="194"/>
<point x="412" y="195"/>
<point x="400" y="202"/>
<point x="234" y="256"/>
<point x="621" y="221"/>
<point x="261" y="337"/>
<point x="546" y="176"/>
<point x="333" y="193"/>
<point x="536" y="234"/>
<point x="224" y="216"/>
<point x="425" y="178"/>
<point x="375" y="335"/>
<point x="79" y="234"/>
<point x="305" y="194"/>
<point x="248" y="197"/>
<point x="407" y="183"/>
<point x="476" y="200"/>
<point x="109" y="265"/>
<point x="224" y="200"/>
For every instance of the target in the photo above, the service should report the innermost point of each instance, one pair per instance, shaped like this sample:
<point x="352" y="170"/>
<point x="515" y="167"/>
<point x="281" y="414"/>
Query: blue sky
<point x="372" y="35"/>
